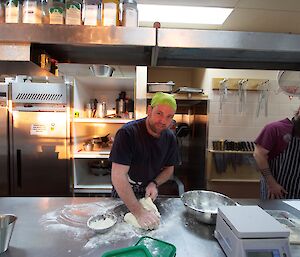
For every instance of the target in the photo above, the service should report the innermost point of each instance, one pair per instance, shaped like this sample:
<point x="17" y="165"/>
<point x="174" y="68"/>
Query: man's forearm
<point x="165" y="175"/>
<point x="264" y="168"/>
<point x="125" y="192"/>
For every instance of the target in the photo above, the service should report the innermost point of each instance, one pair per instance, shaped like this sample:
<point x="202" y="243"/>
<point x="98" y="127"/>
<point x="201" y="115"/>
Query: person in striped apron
<point x="143" y="156"/>
<point x="277" y="154"/>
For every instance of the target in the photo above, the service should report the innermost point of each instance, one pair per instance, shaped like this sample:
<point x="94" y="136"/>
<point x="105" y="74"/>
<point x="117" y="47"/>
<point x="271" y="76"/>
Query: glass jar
<point x="12" y="11"/>
<point x="110" y="12"/>
<point x="2" y="12"/>
<point x="130" y="13"/>
<point x="56" y="12"/>
<point x="73" y="12"/>
<point x="32" y="11"/>
<point x="91" y="12"/>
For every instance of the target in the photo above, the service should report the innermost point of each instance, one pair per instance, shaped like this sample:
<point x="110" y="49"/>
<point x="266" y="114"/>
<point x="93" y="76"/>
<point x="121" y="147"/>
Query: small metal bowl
<point x="96" y="223"/>
<point x="203" y="205"/>
<point x="100" y="70"/>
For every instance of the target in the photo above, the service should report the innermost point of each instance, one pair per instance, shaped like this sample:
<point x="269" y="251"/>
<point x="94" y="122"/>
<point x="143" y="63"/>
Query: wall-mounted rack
<point x="233" y="83"/>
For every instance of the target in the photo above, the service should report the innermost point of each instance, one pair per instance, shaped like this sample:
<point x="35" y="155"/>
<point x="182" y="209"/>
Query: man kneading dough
<point x="148" y="205"/>
<point x="143" y="157"/>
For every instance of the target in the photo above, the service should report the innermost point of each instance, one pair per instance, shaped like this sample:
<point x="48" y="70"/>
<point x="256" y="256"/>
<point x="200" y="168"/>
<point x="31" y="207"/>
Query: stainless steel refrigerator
<point x="4" y="157"/>
<point x="39" y="139"/>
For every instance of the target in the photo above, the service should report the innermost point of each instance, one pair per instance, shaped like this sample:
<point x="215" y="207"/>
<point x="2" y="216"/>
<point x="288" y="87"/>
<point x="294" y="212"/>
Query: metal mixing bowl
<point x="99" y="218"/>
<point x="203" y="205"/>
<point x="101" y="70"/>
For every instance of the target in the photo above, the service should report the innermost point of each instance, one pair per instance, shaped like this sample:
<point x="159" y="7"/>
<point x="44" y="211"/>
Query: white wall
<point x="245" y="126"/>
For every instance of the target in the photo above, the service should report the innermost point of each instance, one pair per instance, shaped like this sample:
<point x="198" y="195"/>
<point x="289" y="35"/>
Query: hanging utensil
<point x="242" y="93"/>
<point x="223" y="95"/>
<point x="263" y="98"/>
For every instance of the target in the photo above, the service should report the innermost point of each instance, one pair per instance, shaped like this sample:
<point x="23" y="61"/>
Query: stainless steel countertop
<point x="55" y="227"/>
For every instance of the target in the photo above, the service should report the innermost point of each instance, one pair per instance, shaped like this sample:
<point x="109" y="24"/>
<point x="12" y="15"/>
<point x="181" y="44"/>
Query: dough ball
<point x="148" y="205"/>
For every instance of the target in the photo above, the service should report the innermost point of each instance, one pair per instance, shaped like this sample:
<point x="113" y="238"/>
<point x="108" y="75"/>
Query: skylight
<point x="183" y="14"/>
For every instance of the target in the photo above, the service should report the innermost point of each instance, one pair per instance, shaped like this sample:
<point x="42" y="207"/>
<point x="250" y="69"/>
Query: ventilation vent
<point x="39" y="97"/>
<point x="39" y="93"/>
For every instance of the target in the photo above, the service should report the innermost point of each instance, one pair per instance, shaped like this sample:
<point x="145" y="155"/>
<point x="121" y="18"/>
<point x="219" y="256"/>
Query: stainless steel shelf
<point x="90" y="190"/>
<point x="77" y="35"/>
<point x="233" y="152"/>
<point x="90" y="155"/>
<point x="100" y="120"/>
<point x="84" y="44"/>
<point x="94" y="184"/>
<point x="184" y="96"/>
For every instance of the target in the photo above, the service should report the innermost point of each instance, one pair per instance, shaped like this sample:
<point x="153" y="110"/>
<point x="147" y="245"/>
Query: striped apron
<point x="285" y="168"/>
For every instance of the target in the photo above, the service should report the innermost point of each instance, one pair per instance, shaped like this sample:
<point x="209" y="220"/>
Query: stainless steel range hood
<point x="228" y="49"/>
<point x="157" y="47"/>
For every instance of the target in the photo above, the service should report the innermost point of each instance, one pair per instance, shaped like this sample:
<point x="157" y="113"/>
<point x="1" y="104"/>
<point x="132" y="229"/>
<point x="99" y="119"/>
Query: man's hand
<point x="147" y="219"/>
<point x="151" y="191"/>
<point x="275" y="191"/>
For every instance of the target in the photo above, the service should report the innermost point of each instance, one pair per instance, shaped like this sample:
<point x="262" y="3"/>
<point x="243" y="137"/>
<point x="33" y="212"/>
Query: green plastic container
<point x="156" y="247"/>
<point x="132" y="251"/>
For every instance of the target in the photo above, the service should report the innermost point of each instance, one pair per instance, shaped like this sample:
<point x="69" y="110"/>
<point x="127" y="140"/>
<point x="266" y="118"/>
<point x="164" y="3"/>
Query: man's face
<point x="160" y="117"/>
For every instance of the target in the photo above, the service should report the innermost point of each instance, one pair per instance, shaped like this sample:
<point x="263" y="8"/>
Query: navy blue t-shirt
<point x="146" y="155"/>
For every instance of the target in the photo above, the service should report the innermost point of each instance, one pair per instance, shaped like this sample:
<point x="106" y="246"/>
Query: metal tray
<point x="182" y="90"/>
<point x="161" y="87"/>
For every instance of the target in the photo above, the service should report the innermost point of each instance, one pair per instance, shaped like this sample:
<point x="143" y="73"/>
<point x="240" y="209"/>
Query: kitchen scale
<point x="248" y="231"/>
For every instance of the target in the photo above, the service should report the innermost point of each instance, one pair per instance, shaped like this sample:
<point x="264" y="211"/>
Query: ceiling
<point x="282" y="16"/>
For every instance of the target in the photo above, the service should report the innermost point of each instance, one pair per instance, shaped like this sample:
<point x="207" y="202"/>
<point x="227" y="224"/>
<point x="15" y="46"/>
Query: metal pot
<point x="89" y="146"/>
<point x="203" y="205"/>
<point x="161" y="87"/>
<point x="101" y="70"/>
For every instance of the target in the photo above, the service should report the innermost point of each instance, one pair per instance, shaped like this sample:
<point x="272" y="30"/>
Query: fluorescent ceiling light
<point x="183" y="14"/>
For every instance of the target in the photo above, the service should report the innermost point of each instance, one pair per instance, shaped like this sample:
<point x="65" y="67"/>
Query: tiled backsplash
<point x="236" y="126"/>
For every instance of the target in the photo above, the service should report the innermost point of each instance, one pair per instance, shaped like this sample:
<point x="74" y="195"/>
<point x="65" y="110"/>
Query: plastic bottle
<point x="130" y="13"/>
<point x="110" y="12"/>
<point x="32" y="11"/>
<point x="12" y="11"/>
<point x="88" y="109"/>
<point x="91" y="12"/>
<point x="56" y="12"/>
<point x="73" y="12"/>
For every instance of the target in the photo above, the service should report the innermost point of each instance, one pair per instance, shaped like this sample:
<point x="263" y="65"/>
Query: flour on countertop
<point x="71" y="220"/>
